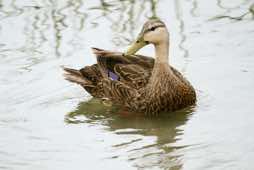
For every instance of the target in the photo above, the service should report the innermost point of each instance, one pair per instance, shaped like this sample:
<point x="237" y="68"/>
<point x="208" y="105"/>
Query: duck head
<point x="153" y="32"/>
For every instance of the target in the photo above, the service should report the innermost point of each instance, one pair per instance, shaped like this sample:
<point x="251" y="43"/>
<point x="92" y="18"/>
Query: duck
<point x="138" y="83"/>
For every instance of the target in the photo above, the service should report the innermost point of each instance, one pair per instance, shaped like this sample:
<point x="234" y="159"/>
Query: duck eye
<point x="152" y="29"/>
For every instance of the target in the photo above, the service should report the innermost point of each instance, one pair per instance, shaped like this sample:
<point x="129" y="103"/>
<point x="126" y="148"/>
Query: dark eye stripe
<point x="154" y="28"/>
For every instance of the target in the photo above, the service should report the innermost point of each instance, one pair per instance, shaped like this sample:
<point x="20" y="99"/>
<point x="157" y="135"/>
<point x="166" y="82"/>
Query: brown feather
<point x="143" y="86"/>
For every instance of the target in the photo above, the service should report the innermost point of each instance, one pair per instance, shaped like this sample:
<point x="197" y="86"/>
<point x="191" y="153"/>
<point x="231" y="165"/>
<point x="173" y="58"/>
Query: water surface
<point x="47" y="123"/>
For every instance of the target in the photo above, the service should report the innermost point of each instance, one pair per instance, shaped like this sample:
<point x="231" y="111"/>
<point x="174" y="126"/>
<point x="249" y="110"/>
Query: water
<point x="46" y="123"/>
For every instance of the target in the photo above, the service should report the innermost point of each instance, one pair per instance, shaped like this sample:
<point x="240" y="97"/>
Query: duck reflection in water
<point x="166" y="128"/>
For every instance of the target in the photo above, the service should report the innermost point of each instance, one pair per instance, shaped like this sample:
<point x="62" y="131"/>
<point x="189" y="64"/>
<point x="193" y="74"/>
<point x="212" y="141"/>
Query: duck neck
<point x="161" y="53"/>
<point x="161" y="65"/>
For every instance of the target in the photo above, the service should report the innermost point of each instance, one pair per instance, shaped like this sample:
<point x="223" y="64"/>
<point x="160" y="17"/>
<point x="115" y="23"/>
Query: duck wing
<point x="133" y="75"/>
<point x="131" y="72"/>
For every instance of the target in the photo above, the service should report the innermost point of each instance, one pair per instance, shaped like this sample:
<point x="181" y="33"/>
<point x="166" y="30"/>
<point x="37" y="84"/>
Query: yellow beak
<point x="136" y="45"/>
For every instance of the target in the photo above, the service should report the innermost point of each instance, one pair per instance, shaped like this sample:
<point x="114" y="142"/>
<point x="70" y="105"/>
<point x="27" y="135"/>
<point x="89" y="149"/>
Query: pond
<point x="48" y="123"/>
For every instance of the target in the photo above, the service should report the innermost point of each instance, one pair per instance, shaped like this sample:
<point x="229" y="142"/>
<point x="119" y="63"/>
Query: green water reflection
<point x="167" y="129"/>
<point x="46" y="23"/>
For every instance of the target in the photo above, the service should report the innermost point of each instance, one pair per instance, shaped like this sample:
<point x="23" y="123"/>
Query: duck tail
<point x="75" y="76"/>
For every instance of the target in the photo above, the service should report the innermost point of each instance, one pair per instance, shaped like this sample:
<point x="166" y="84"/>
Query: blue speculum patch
<point x="113" y="76"/>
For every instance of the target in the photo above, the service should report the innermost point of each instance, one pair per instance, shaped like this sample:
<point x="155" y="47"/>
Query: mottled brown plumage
<point x="144" y="84"/>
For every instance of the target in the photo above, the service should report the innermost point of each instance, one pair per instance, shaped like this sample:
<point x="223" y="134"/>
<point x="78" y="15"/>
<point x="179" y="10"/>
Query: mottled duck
<point x="138" y="83"/>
